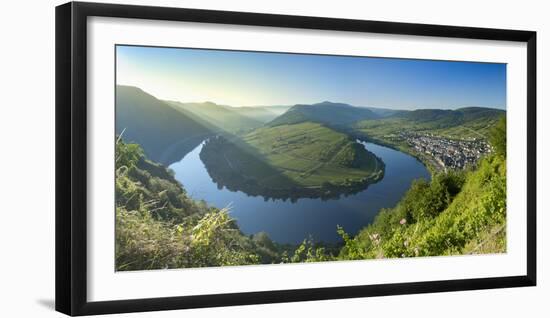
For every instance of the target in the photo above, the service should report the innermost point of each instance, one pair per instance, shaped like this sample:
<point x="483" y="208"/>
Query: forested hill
<point x="165" y="133"/>
<point x="382" y="112"/>
<point x="449" y="117"/>
<point x="325" y="113"/>
<point x="462" y="123"/>
<point x="339" y="114"/>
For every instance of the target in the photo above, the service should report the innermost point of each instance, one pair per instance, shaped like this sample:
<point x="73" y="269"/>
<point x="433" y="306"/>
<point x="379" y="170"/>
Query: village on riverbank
<point x="443" y="153"/>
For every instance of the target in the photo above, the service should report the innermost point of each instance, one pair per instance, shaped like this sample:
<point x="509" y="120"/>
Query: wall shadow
<point x="46" y="303"/>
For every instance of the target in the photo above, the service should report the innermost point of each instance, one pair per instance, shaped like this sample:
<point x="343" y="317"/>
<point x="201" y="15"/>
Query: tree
<point x="497" y="137"/>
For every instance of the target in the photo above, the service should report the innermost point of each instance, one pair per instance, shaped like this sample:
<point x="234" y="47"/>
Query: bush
<point x="497" y="137"/>
<point x="455" y="213"/>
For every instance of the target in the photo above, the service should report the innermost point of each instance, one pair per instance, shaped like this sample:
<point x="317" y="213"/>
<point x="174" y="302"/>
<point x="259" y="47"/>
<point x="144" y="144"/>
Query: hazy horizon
<point x="258" y="79"/>
<point x="333" y="102"/>
<point x="291" y="105"/>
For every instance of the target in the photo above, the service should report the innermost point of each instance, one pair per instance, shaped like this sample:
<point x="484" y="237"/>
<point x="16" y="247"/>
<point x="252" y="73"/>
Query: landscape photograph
<point x="231" y="158"/>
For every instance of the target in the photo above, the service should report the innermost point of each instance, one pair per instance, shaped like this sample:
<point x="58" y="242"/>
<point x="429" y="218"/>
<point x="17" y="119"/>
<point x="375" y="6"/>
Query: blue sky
<point x="238" y="78"/>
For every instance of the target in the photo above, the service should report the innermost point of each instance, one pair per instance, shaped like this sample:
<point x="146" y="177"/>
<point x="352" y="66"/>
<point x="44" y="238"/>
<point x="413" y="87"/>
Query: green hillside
<point x="428" y="115"/>
<point x="463" y="123"/>
<point x="224" y="118"/>
<point x="166" y="134"/>
<point x="325" y="113"/>
<point x="456" y="213"/>
<point x="307" y="159"/>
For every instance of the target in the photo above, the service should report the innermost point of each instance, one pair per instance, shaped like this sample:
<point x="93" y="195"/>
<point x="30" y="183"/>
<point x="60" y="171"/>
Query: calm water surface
<point x="288" y="222"/>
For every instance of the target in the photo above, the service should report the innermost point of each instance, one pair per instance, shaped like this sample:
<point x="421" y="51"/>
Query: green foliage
<point x="215" y="241"/>
<point x="455" y="213"/>
<point x="267" y="250"/>
<point x="468" y="220"/>
<point x="127" y="155"/>
<point x="351" y="248"/>
<point x="426" y="200"/>
<point x="142" y="242"/>
<point x="497" y="137"/>
<point x="308" y="252"/>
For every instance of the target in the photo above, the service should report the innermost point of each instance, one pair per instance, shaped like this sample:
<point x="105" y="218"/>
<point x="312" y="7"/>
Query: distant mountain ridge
<point x="331" y="113"/>
<point x="261" y="113"/>
<point x="324" y="113"/>
<point x="381" y="112"/>
<point x="446" y="117"/>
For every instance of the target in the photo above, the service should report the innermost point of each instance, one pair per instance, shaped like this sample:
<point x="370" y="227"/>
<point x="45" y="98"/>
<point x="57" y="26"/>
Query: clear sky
<point x="238" y="78"/>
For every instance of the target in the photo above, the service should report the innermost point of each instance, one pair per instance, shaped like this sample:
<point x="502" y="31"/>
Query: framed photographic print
<point x="209" y="158"/>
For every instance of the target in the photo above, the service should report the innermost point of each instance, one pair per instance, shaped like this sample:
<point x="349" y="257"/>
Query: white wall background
<point x="27" y="158"/>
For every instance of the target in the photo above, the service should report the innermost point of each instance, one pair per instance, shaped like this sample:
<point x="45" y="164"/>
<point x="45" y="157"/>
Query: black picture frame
<point x="71" y="157"/>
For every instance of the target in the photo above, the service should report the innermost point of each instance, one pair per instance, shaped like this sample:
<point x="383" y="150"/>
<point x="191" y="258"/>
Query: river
<point x="291" y="222"/>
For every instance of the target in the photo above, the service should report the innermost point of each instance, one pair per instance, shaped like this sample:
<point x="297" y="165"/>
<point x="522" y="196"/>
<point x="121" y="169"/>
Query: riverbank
<point x="430" y="164"/>
<point x="290" y="221"/>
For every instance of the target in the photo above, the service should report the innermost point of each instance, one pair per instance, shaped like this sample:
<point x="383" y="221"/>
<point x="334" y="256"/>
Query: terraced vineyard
<point x="307" y="157"/>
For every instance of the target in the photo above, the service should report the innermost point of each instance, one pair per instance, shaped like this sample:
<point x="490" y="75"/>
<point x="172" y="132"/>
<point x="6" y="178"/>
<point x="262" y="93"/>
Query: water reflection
<point x="290" y="221"/>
